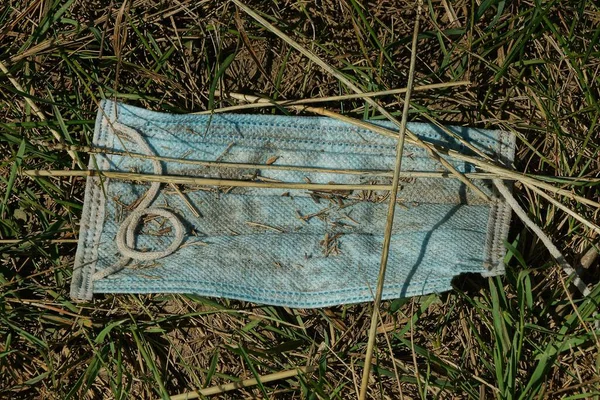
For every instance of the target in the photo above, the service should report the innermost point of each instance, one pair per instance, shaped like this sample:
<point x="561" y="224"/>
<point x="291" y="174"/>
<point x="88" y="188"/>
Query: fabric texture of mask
<point x="295" y="248"/>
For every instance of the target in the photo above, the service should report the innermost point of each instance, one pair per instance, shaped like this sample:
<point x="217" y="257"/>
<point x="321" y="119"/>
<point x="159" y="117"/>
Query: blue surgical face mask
<point x="293" y="248"/>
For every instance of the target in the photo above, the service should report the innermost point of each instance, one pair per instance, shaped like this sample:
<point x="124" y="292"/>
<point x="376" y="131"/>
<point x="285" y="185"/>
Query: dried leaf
<point x="272" y="160"/>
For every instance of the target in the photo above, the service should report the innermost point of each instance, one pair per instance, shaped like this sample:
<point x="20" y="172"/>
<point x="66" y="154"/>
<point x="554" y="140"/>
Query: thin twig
<point x="219" y="164"/>
<point x="243" y="384"/>
<point x="264" y="226"/>
<point x="412" y="348"/>
<point x="461" y="139"/>
<point x="185" y="200"/>
<point x="47" y="307"/>
<point x="342" y="78"/>
<point x="391" y="351"/>
<point x="230" y="165"/>
<point x="391" y="210"/>
<point x="403" y="174"/>
<point x="201" y="181"/>
<point x="327" y="99"/>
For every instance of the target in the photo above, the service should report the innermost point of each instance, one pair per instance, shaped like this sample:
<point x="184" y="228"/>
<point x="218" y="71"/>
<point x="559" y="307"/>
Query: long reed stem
<point x="390" y="214"/>
<point x="200" y="181"/>
<point x="210" y="391"/>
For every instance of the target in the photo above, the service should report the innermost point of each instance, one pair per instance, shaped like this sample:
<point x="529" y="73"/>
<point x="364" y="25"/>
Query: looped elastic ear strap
<point x="126" y="233"/>
<point x="554" y="251"/>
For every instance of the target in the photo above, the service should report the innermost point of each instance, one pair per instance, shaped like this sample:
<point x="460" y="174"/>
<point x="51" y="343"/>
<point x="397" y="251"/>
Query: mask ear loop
<point x="552" y="249"/>
<point x="126" y="234"/>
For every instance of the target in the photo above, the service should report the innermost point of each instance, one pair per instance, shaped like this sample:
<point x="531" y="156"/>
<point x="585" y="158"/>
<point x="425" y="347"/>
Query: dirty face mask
<point x="280" y="246"/>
